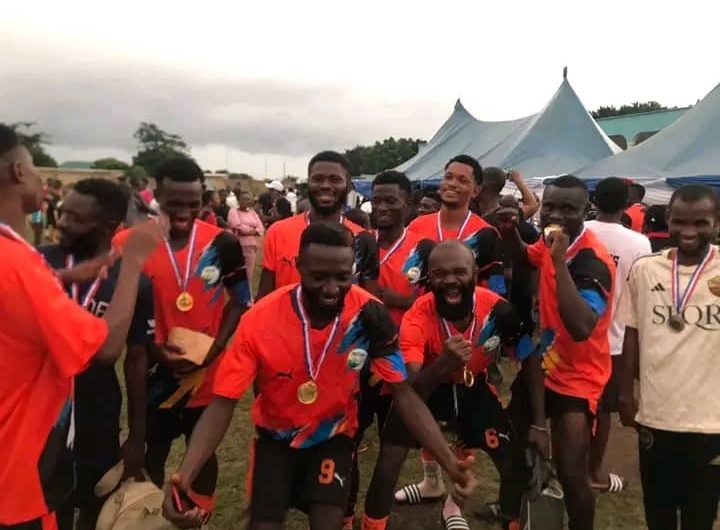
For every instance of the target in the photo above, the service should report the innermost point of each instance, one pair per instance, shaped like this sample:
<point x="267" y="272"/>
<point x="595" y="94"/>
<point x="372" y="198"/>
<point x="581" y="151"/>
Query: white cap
<point x="275" y="185"/>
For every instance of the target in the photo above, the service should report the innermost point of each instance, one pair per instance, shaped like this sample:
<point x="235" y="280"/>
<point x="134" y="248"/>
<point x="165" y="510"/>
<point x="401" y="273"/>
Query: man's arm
<point x="577" y="316"/>
<point x="135" y="368"/>
<point x="267" y="283"/>
<point x="629" y="371"/>
<point x="530" y="203"/>
<point x="423" y="427"/>
<point x="232" y="312"/>
<point x="396" y="300"/>
<point x="511" y="240"/>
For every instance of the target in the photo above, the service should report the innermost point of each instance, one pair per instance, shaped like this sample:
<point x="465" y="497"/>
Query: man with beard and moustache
<point x="450" y="334"/>
<point x="305" y="411"/>
<point x="328" y="187"/>
<point x="575" y="287"/>
<point x="87" y="220"/>
<point x="460" y="184"/>
<point x="671" y="313"/>
<point x="46" y="339"/>
<point x="193" y="273"/>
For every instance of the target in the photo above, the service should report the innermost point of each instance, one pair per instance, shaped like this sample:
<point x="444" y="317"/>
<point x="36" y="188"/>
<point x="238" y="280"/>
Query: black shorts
<point x="373" y="404"/>
<point x="473" y="413"/>
<point x="558" y="404"/>
<point x="284" y="477"/>
<point x="165" y="425"/>
<point x="97" y="431"/>
<point x="609" y="401"/>
<point x="676" y="472"/>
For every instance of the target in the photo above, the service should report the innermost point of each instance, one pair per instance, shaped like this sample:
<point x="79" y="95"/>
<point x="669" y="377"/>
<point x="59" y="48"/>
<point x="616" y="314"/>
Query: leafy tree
<point x="135" y="172"/>
<point x="382" y="155"/>
<point x="635" y="108"/>
<point x="34" y="142"/>
<point x="156" y="145"/>
<point x="110" y="163"/>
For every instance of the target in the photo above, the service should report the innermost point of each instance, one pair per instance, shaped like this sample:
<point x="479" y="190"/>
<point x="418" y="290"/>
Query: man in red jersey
<point x="308" y="378"/>
<point x="191" y="273"/>
<point x="575" y="287"/>
<point x="328" y="187"/>
<point x="46" y="339"/>
<point x="460" y="184"/>
<point x="452" y="334"/>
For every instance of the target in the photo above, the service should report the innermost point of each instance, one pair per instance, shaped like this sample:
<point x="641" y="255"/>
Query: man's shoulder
<point x="290" y="224"/>
<point x="422" y="221"/>
<point x="652" y="260"/>
<point x="53" y="254"/>
<point x="270" y="308"/>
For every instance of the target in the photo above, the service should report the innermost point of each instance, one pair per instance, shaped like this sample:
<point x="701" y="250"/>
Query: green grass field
<point x="614" y="512"/>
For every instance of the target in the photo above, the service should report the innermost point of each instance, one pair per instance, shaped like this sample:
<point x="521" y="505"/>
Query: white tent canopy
<point x="558" y="139"/>
<point x="689" y="147"/>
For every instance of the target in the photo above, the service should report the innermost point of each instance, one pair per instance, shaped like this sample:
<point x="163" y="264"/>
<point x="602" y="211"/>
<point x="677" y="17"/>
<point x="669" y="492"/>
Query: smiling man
<point x="575" y="294"/>
<point x="460" y="184"/>
<point x="328" y="187"/>
<point x="191" y="274"/>
<point x="672" y="318"/>
<point x="87" y="220"/>
<point x="305" y="411"/>
<point x="452" y="334"/>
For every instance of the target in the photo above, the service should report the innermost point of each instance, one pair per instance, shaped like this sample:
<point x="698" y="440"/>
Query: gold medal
<point x="676" y="323"/>
<point x="307" y="393"/>
<point x="184" y="302"/>
<point x="468" y="377"/>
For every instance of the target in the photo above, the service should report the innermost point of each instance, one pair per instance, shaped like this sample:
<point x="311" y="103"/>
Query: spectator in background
<point x="210" y="201"/>
<point x="52" y="199"/>
<point x="37" y="219"/>
<point x="247" y="225"/>
<point x="137" y="210"/>
<point x="140" y="186"/>
<point x="636" y="210"/>
<point x="222" y="210"/>
<point x="292" y="198"/>
<point x="359" y="217"/>
<point x="656" y="227"/>
<point x="430" y="203"/>
<point x="303" y="205"/>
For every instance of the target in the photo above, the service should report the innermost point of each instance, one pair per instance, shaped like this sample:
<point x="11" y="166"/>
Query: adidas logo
<point x="658" y="287"/>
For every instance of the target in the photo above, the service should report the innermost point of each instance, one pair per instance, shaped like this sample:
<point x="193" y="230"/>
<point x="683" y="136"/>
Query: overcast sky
<point x="251" y="85"/>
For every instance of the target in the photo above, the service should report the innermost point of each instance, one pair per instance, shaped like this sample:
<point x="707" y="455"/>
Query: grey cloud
<point x="100" y="102"/>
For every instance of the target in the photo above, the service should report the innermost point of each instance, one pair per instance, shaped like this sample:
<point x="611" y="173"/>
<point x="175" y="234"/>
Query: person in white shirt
<point x="671" y="311"/>
<point x="625" y="246"/>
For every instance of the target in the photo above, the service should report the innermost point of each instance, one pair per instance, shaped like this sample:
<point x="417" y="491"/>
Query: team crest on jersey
<point x="356" y="359"/>
<point x="210" y="274"/>
<point x="714" y="285"/>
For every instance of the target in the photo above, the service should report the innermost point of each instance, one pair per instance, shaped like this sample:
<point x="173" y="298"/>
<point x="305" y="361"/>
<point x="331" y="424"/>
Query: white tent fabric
<point x="559" y="138"/>
<point x="689" y="147"/>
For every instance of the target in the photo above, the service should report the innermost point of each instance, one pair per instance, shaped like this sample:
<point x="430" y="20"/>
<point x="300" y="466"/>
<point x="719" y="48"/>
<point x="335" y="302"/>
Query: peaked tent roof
<point x="689" y="147"/>
<point x="461" y="133"/>
<point x="559" y="138"/>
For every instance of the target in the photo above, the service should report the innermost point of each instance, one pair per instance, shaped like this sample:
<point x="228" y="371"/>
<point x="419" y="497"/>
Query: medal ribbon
<point x="461" y="230"/>
<point x="312" y="369"/>
<point x="680" y="301"/>
<point x="182" y="281"/>
<point x="74" y="289"/>
<point x="575" y="243"/>
<point x="394" y="248"/>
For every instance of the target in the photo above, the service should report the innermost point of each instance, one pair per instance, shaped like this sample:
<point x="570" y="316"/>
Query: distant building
<point x="631" y="129"/>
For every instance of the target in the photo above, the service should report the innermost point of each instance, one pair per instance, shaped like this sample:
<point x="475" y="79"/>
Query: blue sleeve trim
<point x="496" y="283"/>
<point x="595" y="300"/>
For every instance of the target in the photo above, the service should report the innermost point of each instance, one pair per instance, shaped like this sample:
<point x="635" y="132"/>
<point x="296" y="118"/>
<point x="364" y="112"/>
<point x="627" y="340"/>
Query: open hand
<point x="145" y="237"/>
<point x="507" y="219"/>
<point x="464" y="481"/>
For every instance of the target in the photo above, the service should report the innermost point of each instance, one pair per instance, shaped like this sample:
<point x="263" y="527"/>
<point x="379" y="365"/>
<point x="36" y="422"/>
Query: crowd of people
<point x="404" y="319"/>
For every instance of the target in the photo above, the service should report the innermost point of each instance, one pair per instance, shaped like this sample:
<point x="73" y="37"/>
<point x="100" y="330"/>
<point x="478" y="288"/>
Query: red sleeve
<point x="535" y="252"/>
<point x="270" y="250"/>
<point x="238" y="366"/>
<point x="413" y="329"/>
<point x="71" y="335"/>
<point x="120" y="239"/>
